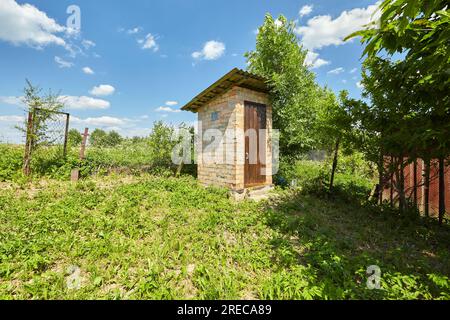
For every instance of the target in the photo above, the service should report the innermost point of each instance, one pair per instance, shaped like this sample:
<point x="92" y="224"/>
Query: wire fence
<point x="45" y="128"/>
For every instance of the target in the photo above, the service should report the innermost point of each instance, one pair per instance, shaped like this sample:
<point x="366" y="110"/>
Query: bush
<point x="354" y="177"/>
<point x="152" y="154"/>
<point x="11" y="161"/>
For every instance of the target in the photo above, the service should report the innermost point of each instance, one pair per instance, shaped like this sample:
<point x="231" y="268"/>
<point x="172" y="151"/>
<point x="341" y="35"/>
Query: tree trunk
<point x="380" y="178"/>
<point x="441" y="189"/>
<point x="391" y="195"/>
<point x="401" y="186"/>
<point x="335" y="162"/>
<point x="427" y="188"/>
<point x="415" y="185"/>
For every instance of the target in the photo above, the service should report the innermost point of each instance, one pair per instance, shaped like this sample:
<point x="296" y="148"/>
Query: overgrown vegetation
<point x="135" y="227"/>
<point x="169" y="238"/>
<point x="405" y="115"/>
<point x="151" y="154"/>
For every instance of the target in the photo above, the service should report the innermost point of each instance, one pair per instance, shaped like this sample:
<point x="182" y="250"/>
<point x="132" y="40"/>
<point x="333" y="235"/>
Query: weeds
<point x="152" y="237"/>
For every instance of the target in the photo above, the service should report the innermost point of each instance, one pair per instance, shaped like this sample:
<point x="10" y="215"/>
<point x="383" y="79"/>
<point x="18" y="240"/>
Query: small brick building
<point x="235" y="125"/>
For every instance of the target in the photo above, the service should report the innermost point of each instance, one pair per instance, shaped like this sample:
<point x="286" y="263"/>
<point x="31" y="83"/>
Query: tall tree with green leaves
<point x="333" y="126"/>
<point x="40" y="108"/>
<point x="281" y="60"/>
<point x="98" y="137"/>
<point x="419" y="30"/>
<point x="74" y="138"/>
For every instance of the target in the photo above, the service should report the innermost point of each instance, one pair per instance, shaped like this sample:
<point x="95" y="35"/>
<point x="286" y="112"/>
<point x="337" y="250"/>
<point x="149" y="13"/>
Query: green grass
<point x="165" y="238"/>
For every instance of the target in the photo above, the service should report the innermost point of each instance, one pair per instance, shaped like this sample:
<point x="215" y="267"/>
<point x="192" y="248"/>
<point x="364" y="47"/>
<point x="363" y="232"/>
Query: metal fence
<point x="45" y="128"/>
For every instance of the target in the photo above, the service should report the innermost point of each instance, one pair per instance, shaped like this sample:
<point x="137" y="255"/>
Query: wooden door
<point x="255" y="143"/>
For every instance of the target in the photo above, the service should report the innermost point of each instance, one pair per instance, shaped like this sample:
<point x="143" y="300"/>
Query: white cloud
<point x="63" y="63"/>
<point x="305" y="10"/>
<point x="25" y="24"/>
<point x="353" y="70"/>
<point x="16" y="101"/>
<point x="87" y="44"/>
<point x="104" y="121"/>
<point x="322" y="31"/>
<point x="83" y="102"/>
<point x="212" y="50"/>
<point x="71" y="102"/>
<point x="102" y="90"/>
<point x="88" y="70"/>
<point x="336" y="71"/>
<point x="12" y="118"/>
<point x="149" y="43"/>
<point x="313" y="61"/>
<point x="171" y="103"/>
<point x="278" y="23"/>
<point x="167" y="109"/>
<point x="134" y="30"/>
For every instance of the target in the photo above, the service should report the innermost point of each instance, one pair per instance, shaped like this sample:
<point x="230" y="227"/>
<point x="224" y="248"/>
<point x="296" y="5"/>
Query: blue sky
<point x="134" y="62"/>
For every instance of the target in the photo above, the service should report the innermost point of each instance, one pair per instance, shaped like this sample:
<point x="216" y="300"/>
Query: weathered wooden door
<point x="255" y="143"/>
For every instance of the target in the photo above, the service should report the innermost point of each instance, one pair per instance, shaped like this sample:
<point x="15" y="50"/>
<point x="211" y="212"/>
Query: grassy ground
<point x="145" y="237"/>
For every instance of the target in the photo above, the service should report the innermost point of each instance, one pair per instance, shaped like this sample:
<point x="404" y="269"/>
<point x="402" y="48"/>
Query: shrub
<point x="11" y="161"/>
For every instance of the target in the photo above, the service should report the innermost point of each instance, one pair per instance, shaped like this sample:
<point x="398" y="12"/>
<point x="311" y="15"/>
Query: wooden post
<point x="66" y="134"/>
<point x="28" y="145"/>
<point x="83" y="143"/>
<point x="75" y="175"/>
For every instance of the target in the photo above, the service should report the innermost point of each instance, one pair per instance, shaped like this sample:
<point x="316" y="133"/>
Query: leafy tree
<point x="279" y="58"/>
<point x="419" y="30"/>
<point x="41" y="107"/>
<point x="333" y="126"/>
<point x="161" y="144"/>
<point x="98" y="137"/>
<point x="74" y="138"/>
<point x="112" y="139"/>
<point x="101" y="138"/>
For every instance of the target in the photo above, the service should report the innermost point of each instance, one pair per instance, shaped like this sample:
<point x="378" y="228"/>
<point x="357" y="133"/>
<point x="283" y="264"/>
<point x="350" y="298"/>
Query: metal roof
<point x="235" y="77"/>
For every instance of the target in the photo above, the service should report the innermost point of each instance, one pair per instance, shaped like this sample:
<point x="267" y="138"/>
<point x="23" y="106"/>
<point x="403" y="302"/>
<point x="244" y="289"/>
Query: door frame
<point x="261" y="180"/>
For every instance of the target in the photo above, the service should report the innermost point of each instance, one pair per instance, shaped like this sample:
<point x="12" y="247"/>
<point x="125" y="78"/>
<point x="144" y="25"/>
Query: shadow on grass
<point x="334" y="240"/>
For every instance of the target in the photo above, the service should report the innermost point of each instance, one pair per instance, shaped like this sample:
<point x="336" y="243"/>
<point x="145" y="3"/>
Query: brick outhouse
<point x="234" y="148"/>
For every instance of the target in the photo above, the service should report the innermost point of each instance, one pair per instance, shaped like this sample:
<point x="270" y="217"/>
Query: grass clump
<point x="148" y="237"/>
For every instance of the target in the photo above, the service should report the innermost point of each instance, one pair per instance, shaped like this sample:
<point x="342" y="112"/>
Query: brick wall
<point x="221" y="162"/>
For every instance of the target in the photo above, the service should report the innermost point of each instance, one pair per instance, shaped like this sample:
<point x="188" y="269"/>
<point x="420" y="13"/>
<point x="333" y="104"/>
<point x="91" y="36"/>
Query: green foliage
<point x="418" y="28"/>
<point x="113" y="139"/>
<point x="134" y="156"/>
<point x="354" y="178"/>
<point x="410" y="113"/>
<point x="294" y="92"/>
<point x="101" y="138"/>
<point x="161" y="143"/>
<point x="74" y="138"/>
<point x="169" y="238"/>
<point x="11" y="161"/>
<point x="97" y="138"/>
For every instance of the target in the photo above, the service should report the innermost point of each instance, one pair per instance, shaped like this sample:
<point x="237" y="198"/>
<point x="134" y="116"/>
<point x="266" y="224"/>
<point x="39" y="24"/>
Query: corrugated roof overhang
<point x="235" y="77"/>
